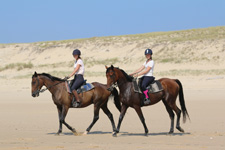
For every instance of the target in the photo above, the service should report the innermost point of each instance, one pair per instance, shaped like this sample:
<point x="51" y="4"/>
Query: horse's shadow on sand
<point x="155" y="134"/>
<point x="124" y="133"/>
<point x="81" y="133"/>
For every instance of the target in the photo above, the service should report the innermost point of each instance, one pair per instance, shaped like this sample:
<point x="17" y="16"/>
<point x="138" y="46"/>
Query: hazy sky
<point x="23" y="21"/>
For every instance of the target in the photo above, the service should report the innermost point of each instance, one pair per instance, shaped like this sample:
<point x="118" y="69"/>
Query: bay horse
<point x="128" y="98"/>
<point x="62" y="99"/>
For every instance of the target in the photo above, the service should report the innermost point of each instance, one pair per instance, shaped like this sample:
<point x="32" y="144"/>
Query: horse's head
<point x="36" y="85"/>
<point x="112" y="76"/>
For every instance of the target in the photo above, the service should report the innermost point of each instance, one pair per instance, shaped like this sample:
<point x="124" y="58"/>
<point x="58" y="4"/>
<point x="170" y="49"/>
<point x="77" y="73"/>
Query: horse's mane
<point x="52" y="77"/>
<point x="128" y="77"/>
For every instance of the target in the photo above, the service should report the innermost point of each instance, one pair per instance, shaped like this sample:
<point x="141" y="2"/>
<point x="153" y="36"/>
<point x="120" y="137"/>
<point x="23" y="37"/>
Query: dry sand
<point x="31" y="123"/>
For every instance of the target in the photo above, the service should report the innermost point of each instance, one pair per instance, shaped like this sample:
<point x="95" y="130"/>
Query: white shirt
<point x="81" y="69"/>
<point x="149" y="64"/>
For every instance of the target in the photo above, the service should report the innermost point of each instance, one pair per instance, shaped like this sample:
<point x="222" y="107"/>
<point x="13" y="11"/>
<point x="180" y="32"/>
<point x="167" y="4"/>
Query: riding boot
<point x="147" y="100"/>
<point x="76" y="103"/>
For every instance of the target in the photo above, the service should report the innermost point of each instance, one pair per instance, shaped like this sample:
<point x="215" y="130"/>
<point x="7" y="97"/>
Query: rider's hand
<point x="66" y="78"/>
<point x="135" y="75"/>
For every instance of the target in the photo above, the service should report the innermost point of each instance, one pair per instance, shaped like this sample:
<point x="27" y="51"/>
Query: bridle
<point x="36" y="92"/>
<point x="115" y="84"/>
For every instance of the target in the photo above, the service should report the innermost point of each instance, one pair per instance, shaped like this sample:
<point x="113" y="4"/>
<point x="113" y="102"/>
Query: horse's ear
<point x="112" y="66"/>
<point x="35" y="74"/>
<point x="106" y="67"/>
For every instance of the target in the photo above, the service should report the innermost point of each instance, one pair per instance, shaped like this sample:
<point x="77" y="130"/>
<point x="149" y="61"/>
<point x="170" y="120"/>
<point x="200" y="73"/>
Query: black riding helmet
<point x="148" y="51"/>
<point x="76" y="52"/>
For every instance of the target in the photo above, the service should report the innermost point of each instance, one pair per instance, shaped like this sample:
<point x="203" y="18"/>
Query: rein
<point x="115" y="84"/>
<point x="42" y="90"/>
<point x="112" y="86"/>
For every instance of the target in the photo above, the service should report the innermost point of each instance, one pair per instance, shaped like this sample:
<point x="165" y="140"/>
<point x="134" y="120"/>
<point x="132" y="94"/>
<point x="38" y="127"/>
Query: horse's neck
<point x="49" y="84"/>
<point x="123" y="83"/>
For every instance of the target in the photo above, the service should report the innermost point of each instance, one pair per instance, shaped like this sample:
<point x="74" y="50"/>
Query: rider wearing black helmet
<point x="147" y="78"/>
<point x="78" y="73"/>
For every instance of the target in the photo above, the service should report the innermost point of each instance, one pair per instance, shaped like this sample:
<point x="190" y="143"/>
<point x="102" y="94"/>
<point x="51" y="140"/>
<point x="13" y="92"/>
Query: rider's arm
<point x="139" y="70"/>
<point x="145" y="71"/>
<point x="75" y="70"/>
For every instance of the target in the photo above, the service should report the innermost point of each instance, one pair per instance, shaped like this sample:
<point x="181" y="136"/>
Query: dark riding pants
<point x="146" y="80"/>
<point x="78" y="81"/>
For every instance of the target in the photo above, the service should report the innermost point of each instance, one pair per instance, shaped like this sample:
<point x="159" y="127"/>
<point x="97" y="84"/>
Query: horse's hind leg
<point x="178" y="112"/>
<point x="141" y="116"/>
<point x="171" y="114"/>
<point x="96" y="117"/>
<point x="110" y="116"/>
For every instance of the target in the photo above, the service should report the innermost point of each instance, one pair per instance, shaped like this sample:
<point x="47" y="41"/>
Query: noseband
<point x="38" y="90"/>
<point x="114" y="83"/>
<point x="42" y="90"/>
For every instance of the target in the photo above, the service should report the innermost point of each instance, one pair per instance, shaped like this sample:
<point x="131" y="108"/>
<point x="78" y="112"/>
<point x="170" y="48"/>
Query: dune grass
<point x="169" y="73"/>
<point x="168" y="36"/>
<point x="189" y="72"/>
<point x="17" y="66"/>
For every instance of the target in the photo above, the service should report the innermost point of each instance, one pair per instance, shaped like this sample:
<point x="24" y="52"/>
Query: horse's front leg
<point x="59" y="108"/>
<point x="62" y="120"/>
<point x="141" y="116"/>
<point x="122" y="113"/>
<point x="62" y="111"/>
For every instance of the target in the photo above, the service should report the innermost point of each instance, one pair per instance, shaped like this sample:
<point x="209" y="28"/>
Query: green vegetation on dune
<point x="173" y="36"/>
<point x="17" y="66"/>
<point x="189" y="72"/>
<point x="174" y="72"/>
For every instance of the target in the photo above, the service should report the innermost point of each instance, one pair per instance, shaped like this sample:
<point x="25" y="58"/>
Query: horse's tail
<point x="116" y="99"/>
<point x="182" y="103"/>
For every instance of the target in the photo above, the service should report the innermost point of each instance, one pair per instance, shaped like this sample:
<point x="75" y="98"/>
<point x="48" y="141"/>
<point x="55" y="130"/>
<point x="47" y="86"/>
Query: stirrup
<point x="147" y="101"/>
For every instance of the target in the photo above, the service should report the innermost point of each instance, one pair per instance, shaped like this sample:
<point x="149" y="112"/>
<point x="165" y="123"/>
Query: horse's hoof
<point x="57" y="134"/>
<point x="146" y="134"/>
<point x="114" y="134"/>
<point x="74" y="131"/>
<point x="171" y="132"/>
<point x="85" y="133"/>
<point x="180" y="129"/>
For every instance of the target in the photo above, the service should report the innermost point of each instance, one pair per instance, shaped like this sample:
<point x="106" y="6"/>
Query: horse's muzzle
<point x="35" y="94"/>
<point x="110" y="88"/>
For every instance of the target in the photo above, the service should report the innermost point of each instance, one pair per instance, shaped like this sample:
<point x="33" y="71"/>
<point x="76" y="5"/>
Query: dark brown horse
<point x="128" y="98"/>
<point x="98" y="96"/>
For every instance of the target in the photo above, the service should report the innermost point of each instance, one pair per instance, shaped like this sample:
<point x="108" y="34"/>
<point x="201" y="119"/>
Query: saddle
<point x="153" y="87"/>
<point x="83" y="88"/>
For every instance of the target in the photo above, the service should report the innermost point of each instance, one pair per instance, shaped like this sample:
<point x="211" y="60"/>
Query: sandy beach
<point x="31" y="123"/>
